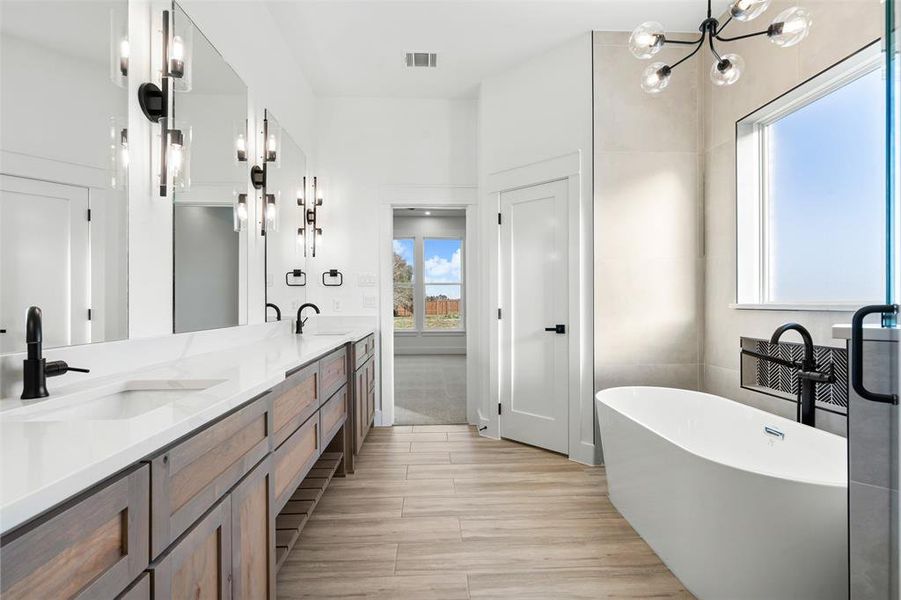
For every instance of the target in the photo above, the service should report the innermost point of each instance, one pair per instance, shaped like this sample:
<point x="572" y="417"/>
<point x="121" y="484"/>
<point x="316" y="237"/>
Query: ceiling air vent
<point x="422" y="59"/>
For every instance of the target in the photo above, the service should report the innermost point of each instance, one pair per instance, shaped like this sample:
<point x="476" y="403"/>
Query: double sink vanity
<point x="192" y="476"/>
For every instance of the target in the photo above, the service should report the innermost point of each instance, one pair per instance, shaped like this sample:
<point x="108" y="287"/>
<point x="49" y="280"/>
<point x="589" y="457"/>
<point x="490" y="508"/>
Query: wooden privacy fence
<point x="437" y="307"/>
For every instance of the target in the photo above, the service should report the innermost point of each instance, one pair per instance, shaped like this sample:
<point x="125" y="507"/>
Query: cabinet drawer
<point x="192" y="475"/>
<point x="94" y="548"/>
<point x="363" y="350"/>
<point x="293" y="402"/>
<point x="199" y="565"/>
<point x="333" y="373"/>
<point x="294" y="459"/>
<point x="332" y="415"/>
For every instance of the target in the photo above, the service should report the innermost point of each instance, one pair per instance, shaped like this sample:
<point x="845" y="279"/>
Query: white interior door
<point x="534" y="301"/>
<point x="45" y="261"/>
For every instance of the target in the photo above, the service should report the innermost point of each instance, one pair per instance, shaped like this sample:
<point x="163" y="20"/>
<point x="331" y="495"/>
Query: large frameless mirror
<point x="284" y="220"/>
<point x="210" y="112"/>
<point x="63" y="170"/>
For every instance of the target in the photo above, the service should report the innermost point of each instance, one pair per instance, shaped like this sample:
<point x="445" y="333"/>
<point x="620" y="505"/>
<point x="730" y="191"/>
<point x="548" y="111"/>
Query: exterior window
<point x="404" y="270"/>
<point x="811" y="192"/>
<point x="443" y="280"/>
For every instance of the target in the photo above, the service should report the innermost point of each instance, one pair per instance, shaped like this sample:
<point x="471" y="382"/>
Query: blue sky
<point x="826" y="158"/>
<point x="442" y="264"/>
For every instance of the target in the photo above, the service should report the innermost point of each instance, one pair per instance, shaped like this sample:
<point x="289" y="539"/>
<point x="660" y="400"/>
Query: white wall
<point x="647" y="198"/>
<point x="418" y="228"/>
<point x="366" y="145"/>
<point x="538" y="111"/>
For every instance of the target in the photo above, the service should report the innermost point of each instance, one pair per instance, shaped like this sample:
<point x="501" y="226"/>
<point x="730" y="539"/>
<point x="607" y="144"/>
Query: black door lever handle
<point x="557" y="329"/>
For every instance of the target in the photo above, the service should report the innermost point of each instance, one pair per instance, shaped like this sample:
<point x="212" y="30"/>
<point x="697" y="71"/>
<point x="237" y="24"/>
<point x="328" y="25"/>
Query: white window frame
<point x="462" y="284"/>
<point x="753" y="220"/>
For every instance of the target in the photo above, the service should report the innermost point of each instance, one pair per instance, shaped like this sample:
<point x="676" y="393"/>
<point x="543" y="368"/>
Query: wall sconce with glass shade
<point x="155" y="101"/>
<point x="789" y="28"/>
<point x="312" y="217"/>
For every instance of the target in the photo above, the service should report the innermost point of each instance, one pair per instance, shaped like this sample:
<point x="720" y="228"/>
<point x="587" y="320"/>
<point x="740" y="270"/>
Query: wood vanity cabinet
<point x="189" y="477"/>
<point x="363" y="389"/>
<point x="199" y="565"/>
<point x="94" y="547"/>
<point x="253" y="535"/>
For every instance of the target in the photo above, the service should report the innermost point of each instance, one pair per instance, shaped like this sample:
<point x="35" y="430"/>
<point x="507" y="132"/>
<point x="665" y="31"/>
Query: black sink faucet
<point x="35" y="368"/>
<point x="808" y="375"/>
<point x="298" y="328"/>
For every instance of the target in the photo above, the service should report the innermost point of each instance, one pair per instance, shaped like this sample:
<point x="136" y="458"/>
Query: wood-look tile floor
<point x="437" y="512"/>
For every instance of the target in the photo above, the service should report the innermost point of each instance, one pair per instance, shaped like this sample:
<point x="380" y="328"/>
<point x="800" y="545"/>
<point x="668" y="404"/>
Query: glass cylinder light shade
<point x="270" y="212"/>
<point x="239" y="205"/>
<point x="655" y="78"/>
<point x="180" y="52"/>
<point x="728" y="70"/>
<point x="120" y="50"/>
<point x="790" y="27"/>
<point x="647" y="40"/>
<point x="178" y="161"/>
<point x="118" y="152"/>
<point x="747" y="10"/>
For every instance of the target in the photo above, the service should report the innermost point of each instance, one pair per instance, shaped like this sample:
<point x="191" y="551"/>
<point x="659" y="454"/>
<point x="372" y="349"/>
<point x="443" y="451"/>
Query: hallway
<point x="429" y="389"/>
<point x="437" y="512"/>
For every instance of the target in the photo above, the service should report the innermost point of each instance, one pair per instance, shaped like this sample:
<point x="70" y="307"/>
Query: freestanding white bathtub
<point x="732" y="508"/>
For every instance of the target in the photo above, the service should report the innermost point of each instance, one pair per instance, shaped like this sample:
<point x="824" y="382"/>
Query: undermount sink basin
<point x="121" y="401"/>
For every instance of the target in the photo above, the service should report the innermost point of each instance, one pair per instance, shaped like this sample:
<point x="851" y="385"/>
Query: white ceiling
<point x="356" y="47"/>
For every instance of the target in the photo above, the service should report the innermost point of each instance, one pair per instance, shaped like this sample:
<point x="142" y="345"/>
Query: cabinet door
<point x="199" y="565"/>
<point x="253" y="535"/>
<point x="332" y="416"/>
<point x="359" y="409"/>
<point x="94" y="548"/>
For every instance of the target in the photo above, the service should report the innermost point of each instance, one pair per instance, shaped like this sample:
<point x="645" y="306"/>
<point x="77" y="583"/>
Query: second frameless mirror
<point x="211" y="112"/>
<point x="283" y="218"/>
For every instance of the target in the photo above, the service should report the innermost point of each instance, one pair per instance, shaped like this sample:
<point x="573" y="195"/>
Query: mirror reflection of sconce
<point x="155" y="104"/>
<point x="241" y="145"/>
<point x="302" y="230"/>
<point x="240" y="211"/>
<point x="118" y="157"/>
<point x="270" y="213"/>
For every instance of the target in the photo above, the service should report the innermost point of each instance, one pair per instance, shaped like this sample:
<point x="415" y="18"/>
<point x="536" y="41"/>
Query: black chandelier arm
<point x="723" y="26"/>
<point x="743" y="37"/>
<point x="716" y="54"/>
<point x="698" y="46"/>
<point x="683" y="42"/>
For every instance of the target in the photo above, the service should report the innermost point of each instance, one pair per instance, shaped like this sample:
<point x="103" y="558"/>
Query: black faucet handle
<point x="59" y="367"/>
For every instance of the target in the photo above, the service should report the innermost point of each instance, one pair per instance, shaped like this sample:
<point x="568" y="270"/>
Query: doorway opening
<point x="429" y="287"/>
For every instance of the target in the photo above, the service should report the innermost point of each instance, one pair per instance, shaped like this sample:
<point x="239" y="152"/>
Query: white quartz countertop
<point x="43" y="463"/>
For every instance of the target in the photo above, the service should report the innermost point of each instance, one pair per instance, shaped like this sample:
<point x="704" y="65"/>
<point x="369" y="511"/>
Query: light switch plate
<point x="369" y="300"/>
<point x="366" y="280"/>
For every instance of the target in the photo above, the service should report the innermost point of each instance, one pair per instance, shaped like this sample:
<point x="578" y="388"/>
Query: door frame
<point x="423" y="196"/>
<point x="576" y="170"/>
